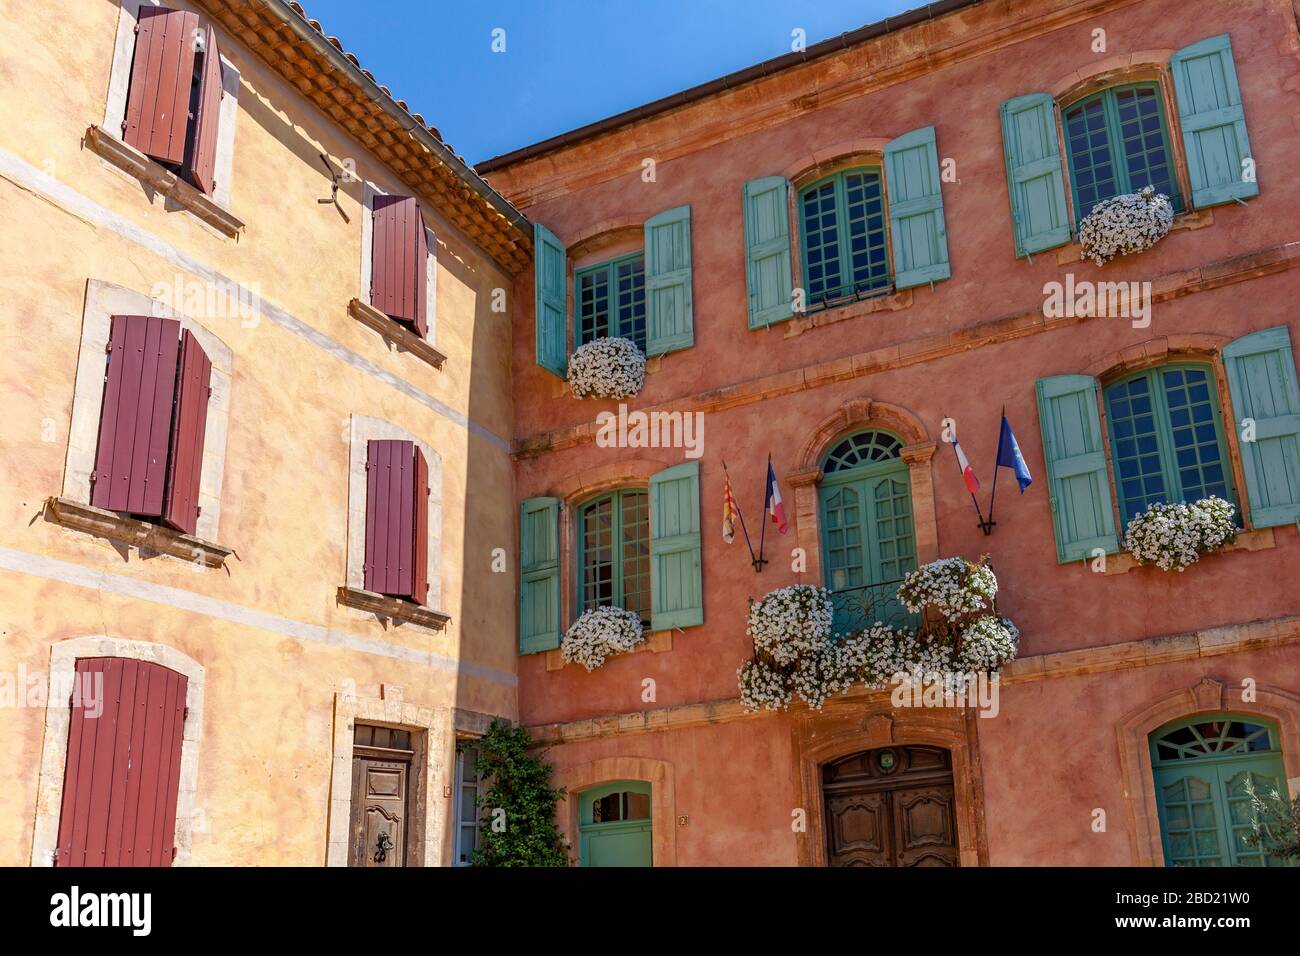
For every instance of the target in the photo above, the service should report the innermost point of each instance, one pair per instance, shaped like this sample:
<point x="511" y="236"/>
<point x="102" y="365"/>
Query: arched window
<point x="842" y="229"/>
<point x="1166" y="437"/>
<point x="614" y="552"/>
<point x="1201" y="766"/>
<point x="614" y="827"/>
<point x="868" y="540"/>
<point x="1117" y="141"/>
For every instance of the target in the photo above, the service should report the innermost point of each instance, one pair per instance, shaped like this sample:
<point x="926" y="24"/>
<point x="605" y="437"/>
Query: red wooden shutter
<point x="399" y="261"/>
<point x="204" y="161"/>
<point x="162" y="74"/>
<point x="392" y="558"/>
<point x="135" y="422"/>
<point x="122" y="775"/>
<point x="420" y="521"/>
<point x="189" y="426"/>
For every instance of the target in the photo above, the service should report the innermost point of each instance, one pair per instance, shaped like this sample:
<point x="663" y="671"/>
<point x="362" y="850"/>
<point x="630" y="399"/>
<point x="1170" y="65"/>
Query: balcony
<point x="856" y="609"/>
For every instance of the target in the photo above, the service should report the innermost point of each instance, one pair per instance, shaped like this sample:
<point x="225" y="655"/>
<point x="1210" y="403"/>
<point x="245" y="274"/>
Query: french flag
<point x="773" y="504"/>
<point x="967" y="473"/>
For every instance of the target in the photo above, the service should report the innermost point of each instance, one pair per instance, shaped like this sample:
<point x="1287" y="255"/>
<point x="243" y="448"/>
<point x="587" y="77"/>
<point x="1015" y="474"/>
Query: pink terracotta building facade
<point x="830" y="258"/>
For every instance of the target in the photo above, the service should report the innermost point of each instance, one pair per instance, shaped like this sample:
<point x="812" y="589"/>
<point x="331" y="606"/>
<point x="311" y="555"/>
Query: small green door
<point x="614" y="825"/>
<point x="1201" y="767"/>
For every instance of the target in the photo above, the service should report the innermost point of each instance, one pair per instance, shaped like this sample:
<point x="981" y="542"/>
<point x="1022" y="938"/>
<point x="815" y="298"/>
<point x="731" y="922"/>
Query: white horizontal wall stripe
<point x="26" y="176"/>
<point x="78" y="575"/>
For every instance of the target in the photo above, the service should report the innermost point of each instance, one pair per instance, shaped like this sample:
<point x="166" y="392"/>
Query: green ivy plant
<point x="518" y="811"/>
<point x="1274" y="823"/>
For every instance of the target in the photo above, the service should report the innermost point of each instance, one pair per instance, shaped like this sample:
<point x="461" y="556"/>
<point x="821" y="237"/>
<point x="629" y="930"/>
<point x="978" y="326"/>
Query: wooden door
<point x="615" y="827"/>
<point x="891" y="807"/>
<point x="381" y="767"/>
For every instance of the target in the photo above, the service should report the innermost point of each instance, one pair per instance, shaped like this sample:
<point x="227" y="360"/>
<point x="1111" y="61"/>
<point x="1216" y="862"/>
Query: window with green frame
<point x="610" y="300"/>
<point x="842" y="234"/>
<point x="614" y="552"/>
<point x="1118" y="142"/>
<point x="1166" y="438"/>
<point x="1201" y="766"/>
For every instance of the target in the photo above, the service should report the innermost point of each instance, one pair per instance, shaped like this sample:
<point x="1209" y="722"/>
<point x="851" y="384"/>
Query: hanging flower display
<point x="1124" y="224"/>
<point x="601" y="633"/>
<point x="607" y="368"/>
<point x="796" y="652"/>
<point x="1174" y="536"/>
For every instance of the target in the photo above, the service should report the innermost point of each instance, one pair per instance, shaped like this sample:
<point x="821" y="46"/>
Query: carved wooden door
<point x="381" y="765"/>
<point x="891" y="807"/>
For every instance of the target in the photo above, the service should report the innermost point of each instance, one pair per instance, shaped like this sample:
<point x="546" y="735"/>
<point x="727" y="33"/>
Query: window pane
<point x="598" y="554"/>
<point x="593" y="305"/>
<point x="631" y="300"/>
<point x="1134" y="448"/>
<point x="638" y="806"/>
<point x="607" y="809"/>
<point x="1088" y="145"/>
<point x="821" y="243"/>
<point x="866" y="231"/>
<point x="1146" y="142"/>
<point x="1200" y="467"/>
<point x="468" y="843"/>
<point x="636" y="552"/>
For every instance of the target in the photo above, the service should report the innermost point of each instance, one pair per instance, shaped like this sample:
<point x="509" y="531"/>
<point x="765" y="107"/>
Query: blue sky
<point x="566" y="62"/>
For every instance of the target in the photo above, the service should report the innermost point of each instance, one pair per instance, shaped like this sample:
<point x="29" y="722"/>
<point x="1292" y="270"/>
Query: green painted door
<point x="1201" y="767"/>
<point x="868" y="539"/>
<point x="614" y="826"/>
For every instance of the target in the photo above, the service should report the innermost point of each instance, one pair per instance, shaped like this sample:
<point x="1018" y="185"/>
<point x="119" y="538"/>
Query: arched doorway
<point x="868" y="539"/>
<point x="614" y="825"/>
<point x="1201" y="766"/>
<point x="890" y="807"/>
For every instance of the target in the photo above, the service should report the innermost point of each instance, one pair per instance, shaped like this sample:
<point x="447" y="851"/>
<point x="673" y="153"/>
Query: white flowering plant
<point x="1174" y="536"/>
<point x="607" y="368"/>
<point x="797" y="653"/>
<point x="600" y="633"/>
<point x="1130" y="222"/>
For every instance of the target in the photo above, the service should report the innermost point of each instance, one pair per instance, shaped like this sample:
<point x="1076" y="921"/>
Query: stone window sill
<point x="395" y="333"/>
<point x="807" y="321"/>
<point x="1195" y="219"/>
<point x="135" y="163"/>
<point x="656" y="643"/>
<point x="1261" y="539"/>
<point x="395" y="609"/>
<point x="136" y="532"/>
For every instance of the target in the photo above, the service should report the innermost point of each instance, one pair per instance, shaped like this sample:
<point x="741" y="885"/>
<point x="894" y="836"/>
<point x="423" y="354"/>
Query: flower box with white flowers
<point x="1174" y="536"/>
<point x="797" y="652"/>
<point x="607" y="368"/>
<point x="1124" y="224"/>
<point x="599" y="634"/>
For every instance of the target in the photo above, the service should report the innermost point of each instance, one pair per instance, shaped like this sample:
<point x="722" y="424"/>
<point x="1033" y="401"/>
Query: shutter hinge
<point x="186" y="715"/>
<point x="70" y="699"/>
<point x="198" y="510"/>
<point x="173" y="854"/>
<point x="209" y="391"/>
<point x="136" y="29"/>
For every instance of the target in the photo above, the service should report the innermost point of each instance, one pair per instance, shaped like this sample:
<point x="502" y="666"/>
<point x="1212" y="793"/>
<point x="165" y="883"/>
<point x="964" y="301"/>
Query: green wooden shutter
<point x="768" y="277"/>
<point x="676" y="592"/>
<point x="669" y="315"/>
<point x="1076" y="467"/>
<point x="1213" y="122"/>
<point x="920" y="239"/>
<point x="1034" y="178"/>
<point x="539" y="575"/>
<point x="551" y="272"/>
<point x="1262" y="383"/>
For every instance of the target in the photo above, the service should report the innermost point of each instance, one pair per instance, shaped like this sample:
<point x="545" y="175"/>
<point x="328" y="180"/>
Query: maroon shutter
<point x="189" y="426"/>
<point x="390" y="518"/>
<point x="399" y="261"/>
<point x="122" y="776"/>
<point x="162" y="73"/>
<point x="420" y="522"/>
<point x="204" y="161"/>
<point x="135" y="421"/>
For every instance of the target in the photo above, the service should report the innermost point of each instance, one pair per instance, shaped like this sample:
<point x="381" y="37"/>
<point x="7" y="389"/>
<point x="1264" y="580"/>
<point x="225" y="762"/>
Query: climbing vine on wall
<point x="518" y="811"/>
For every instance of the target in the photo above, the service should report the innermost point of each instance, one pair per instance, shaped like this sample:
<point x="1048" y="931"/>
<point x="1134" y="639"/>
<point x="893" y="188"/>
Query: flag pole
<point x="741" y="515"/>
<point x="993" y="496"/>
<point x="762" y="534"/>
<point x="984" y="525"/>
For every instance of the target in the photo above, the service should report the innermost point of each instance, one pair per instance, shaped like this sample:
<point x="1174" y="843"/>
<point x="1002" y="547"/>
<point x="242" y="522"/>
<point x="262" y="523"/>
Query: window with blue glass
<point x="1166" y="438"/>
<point x="842" y="223"/>
<point x="1118" y="142"/>
<point x="610" y="300"/>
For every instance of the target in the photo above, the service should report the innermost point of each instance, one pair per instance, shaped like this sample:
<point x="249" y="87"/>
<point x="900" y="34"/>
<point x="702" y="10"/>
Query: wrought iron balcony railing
<point x="858" y="608"/>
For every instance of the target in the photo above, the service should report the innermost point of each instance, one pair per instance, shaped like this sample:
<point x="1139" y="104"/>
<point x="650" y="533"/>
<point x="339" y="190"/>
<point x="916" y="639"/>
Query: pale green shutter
<point x="1076" y="467"/>
<point x="920" y="239"/>
<point x="768" y="278"/>
<point x="676" y="591"/>
<point x="551" y="273"/>
<point x="539" y="575"/>
<point x="1034" y="178"/>
<point x="669" y="315"/>
<point x="1213" y="122"/>
<point x="1262" y="381"/>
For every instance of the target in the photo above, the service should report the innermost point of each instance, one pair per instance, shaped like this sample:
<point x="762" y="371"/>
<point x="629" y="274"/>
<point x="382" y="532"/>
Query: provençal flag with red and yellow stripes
<point x="728" y="513"/>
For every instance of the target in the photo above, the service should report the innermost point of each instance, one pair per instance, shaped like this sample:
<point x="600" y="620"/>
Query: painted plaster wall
<point x="267" y="739"/>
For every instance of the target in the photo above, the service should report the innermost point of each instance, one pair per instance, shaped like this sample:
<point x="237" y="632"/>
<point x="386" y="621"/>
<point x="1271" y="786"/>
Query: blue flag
<point x="1009" y="456"/>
